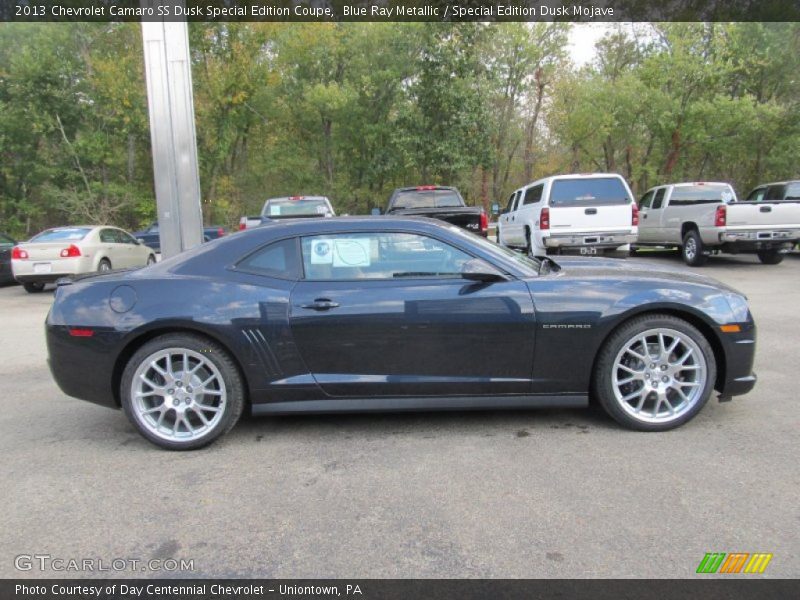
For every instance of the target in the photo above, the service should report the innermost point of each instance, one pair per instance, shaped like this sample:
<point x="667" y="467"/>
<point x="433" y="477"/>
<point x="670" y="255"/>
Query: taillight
<point x="71" y="252"/>
<point x="18" y="253"/>
<point x="634" y="215"/>
<point x="425" y="188"/>
<point x="544" y="218"/>
<point x="242" y="226"/>
<point x="79" y="332"/>
<point x="720" y="217"/>
<point x="484" y="221"/>
<point x="220" y="232"/>
<point x="296" y="197"/>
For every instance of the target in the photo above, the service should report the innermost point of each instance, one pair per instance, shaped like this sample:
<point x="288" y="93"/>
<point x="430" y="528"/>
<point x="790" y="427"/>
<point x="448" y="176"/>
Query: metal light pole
<point x="171" y="106"/>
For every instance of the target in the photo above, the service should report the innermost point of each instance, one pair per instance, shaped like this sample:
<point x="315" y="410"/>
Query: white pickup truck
<point x="702" y="218"/>
<point x="589" y="213"/>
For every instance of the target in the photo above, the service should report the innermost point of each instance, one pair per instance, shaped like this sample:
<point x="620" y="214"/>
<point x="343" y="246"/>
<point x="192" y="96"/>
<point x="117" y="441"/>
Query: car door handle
<point x="320" y="304"/>
<point x="644" y="215"/>
<point x="590" y="211"/>
<point x="766" y="209"/>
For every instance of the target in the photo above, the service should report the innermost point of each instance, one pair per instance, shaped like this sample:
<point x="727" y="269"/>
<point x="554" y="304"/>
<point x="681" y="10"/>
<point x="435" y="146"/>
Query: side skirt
<point x="437" y="403"/>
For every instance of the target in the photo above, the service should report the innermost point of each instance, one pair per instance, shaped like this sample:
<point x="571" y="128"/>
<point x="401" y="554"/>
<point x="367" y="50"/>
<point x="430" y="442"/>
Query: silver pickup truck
<point x="704" y="218"/>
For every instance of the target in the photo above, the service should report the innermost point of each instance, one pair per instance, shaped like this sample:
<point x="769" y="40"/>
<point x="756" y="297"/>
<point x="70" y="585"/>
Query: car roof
<point x="355" y="223"/>
<point x="297" y="198"/>
<point x="788" y="181"/>
<point x="424" y="188"/>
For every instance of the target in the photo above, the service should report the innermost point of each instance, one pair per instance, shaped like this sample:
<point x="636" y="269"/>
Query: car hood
<point x="635" y="269"/>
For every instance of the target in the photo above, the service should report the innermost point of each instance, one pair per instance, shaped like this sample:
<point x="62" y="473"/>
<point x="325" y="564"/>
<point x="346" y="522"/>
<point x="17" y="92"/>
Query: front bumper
<point x="612" y="239"/>
<point x="740" y="351"/>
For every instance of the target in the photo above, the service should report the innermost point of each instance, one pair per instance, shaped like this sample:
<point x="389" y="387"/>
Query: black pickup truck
<point x="438" y="202"/>
<point x="149" y="237"/>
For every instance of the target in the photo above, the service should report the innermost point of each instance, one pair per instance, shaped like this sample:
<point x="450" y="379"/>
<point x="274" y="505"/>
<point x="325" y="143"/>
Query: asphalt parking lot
<point x="484" y="494"/>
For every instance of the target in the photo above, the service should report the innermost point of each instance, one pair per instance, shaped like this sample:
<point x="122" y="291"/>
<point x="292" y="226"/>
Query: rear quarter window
<point x="588" y="192"/>
<point x="279" y="259"/>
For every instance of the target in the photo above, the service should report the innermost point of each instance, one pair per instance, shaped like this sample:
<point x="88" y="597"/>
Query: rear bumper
<point x="754" y="240"/>
<point x="49" y="270"/>
<point x="71" y="358"/>
<point x="611" y="239"/>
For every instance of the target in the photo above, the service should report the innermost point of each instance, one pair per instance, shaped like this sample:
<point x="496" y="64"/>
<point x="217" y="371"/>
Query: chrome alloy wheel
<point x="690" y="248"/>
<point x="659" y="375"/>
<point x="178" y="394"/>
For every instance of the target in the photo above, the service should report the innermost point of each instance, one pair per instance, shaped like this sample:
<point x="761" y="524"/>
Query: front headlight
<point x="739" y="307"/>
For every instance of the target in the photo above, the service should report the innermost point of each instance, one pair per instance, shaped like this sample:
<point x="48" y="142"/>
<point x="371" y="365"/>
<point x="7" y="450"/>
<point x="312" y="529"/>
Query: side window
<point x="278" y="259"/>
<point x="659" y="198"/>
<point x="380" y="255"/>
<point x="511" y="199"/>
<point x="775" y="192"/>
<point x="646" y="200"/>
<point x="533" y="195"/>
<point x="108" y="236"/>
<point x="757" y="195"/>
<point x="517" y="196"/>
<point x="123" y="238"/>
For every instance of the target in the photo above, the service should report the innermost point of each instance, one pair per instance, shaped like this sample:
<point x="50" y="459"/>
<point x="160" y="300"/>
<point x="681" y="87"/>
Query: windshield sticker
<point x="275" y="209"/>
<point x="351" y="252"/>
<point x="322" y="210"/>
<point x="322" y="252"/>
<point x="727" y="196"/>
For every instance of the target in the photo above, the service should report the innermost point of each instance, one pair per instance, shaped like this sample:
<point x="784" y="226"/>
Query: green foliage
<point x="352" y="110"/>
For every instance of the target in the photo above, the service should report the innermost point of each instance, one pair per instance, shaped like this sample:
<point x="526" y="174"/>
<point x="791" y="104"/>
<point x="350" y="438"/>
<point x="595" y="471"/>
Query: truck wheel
<point x="528" y="246"/>
<point x="692" y="250"/>
<point x="770" y="257"/>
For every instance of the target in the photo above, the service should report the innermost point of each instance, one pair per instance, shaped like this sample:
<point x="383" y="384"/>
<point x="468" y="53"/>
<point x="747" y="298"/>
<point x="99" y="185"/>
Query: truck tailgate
<point x="760" y="215"/>
<point x="594" y="219"/>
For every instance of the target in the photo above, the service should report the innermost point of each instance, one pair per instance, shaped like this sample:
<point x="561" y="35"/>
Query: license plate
<point x="42" y="268"/>
<point x="589" y="251"/>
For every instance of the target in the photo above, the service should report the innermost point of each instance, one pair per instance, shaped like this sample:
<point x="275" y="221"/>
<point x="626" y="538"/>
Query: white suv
<point x="588" y="213"/>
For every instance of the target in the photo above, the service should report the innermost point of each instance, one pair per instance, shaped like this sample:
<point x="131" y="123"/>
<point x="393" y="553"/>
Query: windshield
<point x="700" y="194"/>
<point x="427" y="199"/>
<point x="592" y="191"/>
<point x="296" y="208"/>
<point x="71" y="234"/>
<point x="525" y="262"/>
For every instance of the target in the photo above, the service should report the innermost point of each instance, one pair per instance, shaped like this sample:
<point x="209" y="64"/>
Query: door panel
<point x="387" y="338"/>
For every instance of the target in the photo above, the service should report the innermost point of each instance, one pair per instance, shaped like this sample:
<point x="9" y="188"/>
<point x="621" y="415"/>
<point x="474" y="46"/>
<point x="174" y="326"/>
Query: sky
<point x="582" y="38"/>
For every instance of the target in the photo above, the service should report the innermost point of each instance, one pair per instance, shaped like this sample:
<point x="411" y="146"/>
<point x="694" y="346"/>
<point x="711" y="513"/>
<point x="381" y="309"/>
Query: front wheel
<point x="182" y="391"/>
<point x="104" y="266"/>
<point x="770" y="257"/>
<point x="151" y="260"/>
<point x="33" y="288"/>
<point x="692" y="250"/>
<point x="655" y="373"/>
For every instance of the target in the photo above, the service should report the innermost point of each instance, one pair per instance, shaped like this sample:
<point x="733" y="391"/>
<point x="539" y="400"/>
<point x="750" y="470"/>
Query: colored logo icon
<point x="735" y="562"/>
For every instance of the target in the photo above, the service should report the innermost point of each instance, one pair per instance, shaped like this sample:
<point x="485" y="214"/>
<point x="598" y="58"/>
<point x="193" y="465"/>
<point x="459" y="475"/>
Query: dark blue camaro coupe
<point x="390" y="314"/>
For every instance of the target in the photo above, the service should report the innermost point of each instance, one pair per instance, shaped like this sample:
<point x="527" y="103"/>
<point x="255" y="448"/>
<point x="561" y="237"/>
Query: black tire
<point x="151" y="260"/>
<point x="104" y="265"/>
<point x="770" y="257"/>
<point x="213" y="352"/>
<point x="692" y="249"/>
<point x="633" y="251"/>
<point x="33" y="287"/>
<point x="602" y="385"/>
<point x="528" y="245"/>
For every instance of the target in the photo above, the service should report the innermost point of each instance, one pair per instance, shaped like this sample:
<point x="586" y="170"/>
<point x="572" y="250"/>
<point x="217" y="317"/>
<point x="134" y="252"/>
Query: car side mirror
<point x="496" y="209"/>
<point x="479" y="270"/>
<point x="375" y="212"/>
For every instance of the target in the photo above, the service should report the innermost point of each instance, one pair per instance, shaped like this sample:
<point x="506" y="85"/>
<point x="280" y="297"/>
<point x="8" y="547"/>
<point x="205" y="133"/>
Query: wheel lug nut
<point x="652" y="365"/>
<point x="188" y="389"/>
<point x="665" y="379"/>
<point x="170" y="391"/>
<point x="647" y="375"/>
<point x="179" y="383"/>
<point x="663" y="367"/>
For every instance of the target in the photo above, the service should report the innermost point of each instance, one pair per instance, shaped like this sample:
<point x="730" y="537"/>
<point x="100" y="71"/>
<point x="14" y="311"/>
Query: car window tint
<point x="380" y="255"/>
<point x="757" y="195"/>
<point x="646" y="200"/>
<point x="659" y="198"/>
<point x="589" y="191"/>
<point x="124" y="237"/>
<point x="425" y="198"/>
<point x="701" y="194"/>
<point x="108" y="236"/>
<point x="511" y="199"/>
<point x="279" y="259"/>
<point x="533" y="195"/>
<point x="775" y="192"/>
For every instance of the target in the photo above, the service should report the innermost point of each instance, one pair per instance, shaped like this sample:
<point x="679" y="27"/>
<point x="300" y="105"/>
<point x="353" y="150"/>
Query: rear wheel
<point x="182" y="391"/>
<point x="770" y="257"/>
<point x="655" y="373"/>
<point x="528" y="245"/>
<point x="151" y="260"/>
<point x="692" y="250"/>
<point x="104" y="266"/>
<point x="33" y="288"/>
